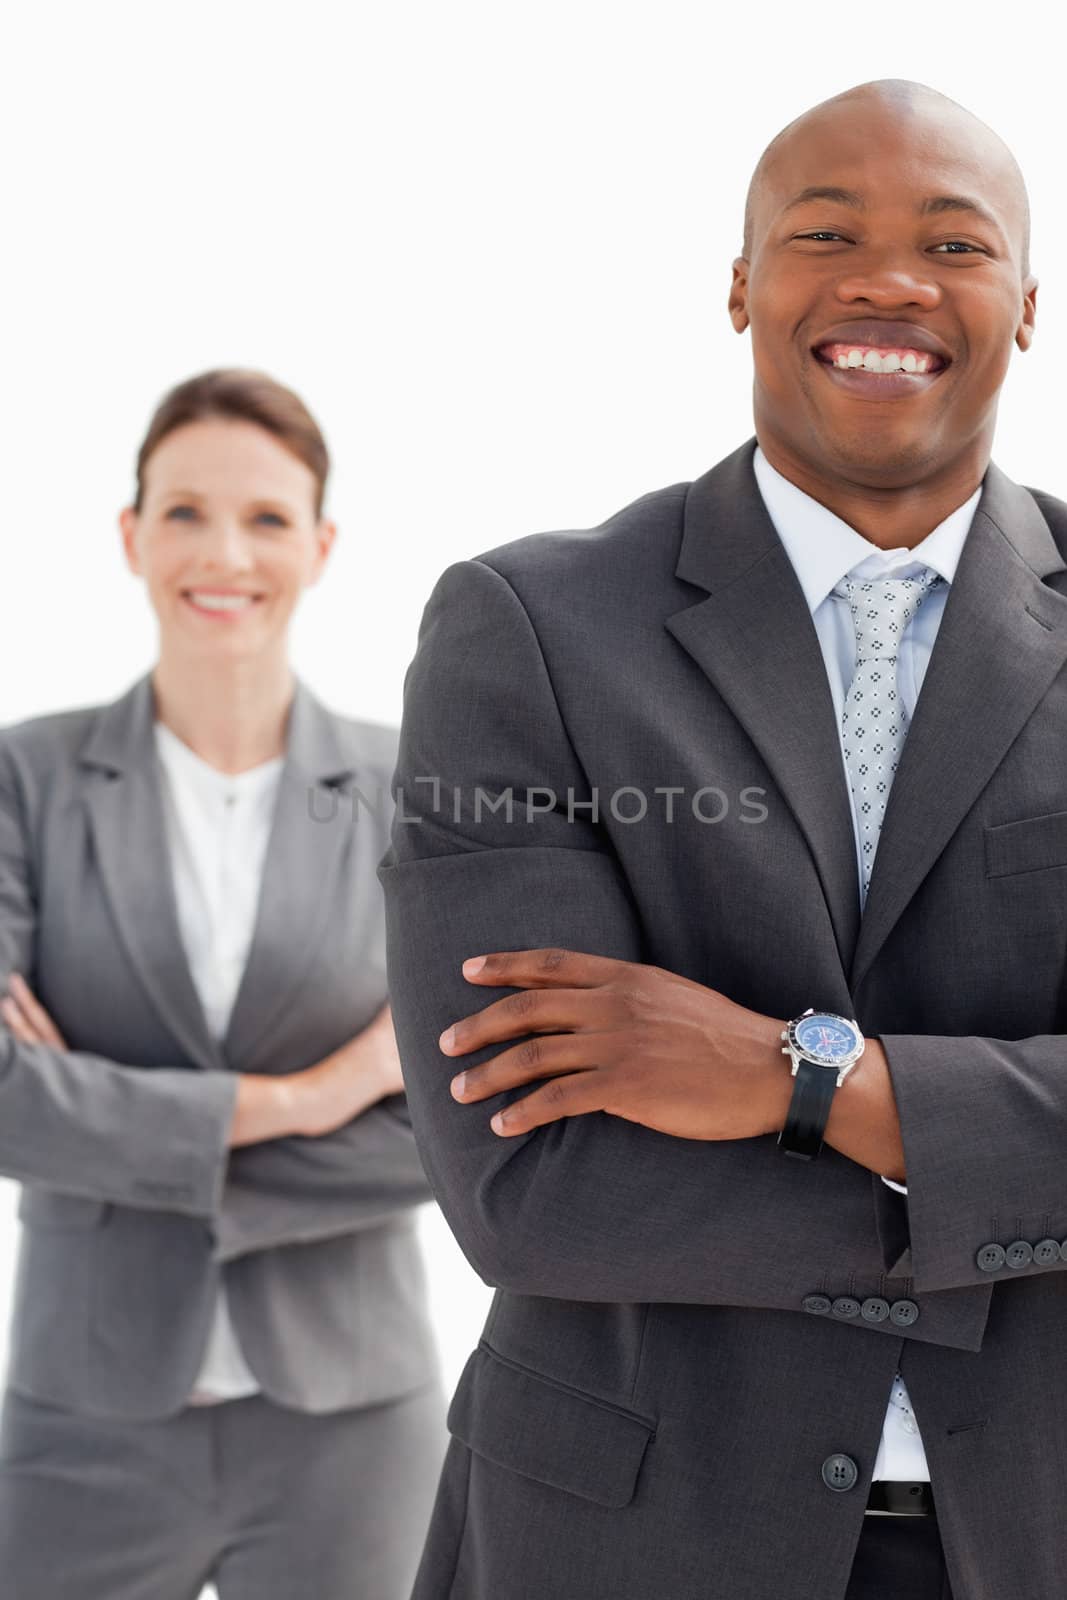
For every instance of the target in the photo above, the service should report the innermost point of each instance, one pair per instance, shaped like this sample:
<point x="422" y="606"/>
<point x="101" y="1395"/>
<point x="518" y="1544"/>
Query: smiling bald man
<point x="727" y="910"/>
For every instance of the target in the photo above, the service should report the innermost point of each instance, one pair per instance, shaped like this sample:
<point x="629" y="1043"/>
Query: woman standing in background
<point x="222" y="1367"/>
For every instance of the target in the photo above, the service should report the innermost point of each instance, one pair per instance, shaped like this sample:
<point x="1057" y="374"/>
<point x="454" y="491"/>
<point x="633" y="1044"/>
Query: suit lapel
<point x="301" y="873"/>
<point x="754" y="638"/>
<point x="124" y="798"/>
<point x="1001" y="642"/>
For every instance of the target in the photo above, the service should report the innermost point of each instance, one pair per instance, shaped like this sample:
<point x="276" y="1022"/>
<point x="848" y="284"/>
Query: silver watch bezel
<point x="798" y="1053"/>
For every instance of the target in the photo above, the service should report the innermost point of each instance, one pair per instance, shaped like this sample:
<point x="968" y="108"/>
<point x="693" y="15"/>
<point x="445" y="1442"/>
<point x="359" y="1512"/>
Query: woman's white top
<point x="218" y="825"/>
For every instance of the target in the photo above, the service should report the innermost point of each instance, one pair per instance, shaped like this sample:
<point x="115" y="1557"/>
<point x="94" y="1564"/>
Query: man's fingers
<point x="550" y="965"/>
<point x="528" y="1011"/>
<point x="570" y="1096"/>
<point x="540" y="1057"/>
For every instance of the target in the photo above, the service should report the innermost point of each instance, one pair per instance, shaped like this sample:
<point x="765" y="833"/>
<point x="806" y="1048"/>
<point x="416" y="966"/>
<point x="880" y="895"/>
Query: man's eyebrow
<point x="933" y="205"/>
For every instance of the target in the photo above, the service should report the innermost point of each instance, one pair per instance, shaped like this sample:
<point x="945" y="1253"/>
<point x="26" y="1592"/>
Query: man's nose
<point x="889" y="282"/>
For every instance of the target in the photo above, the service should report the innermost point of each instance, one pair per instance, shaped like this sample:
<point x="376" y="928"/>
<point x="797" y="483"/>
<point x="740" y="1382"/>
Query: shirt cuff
<point x="901" y="1186"/>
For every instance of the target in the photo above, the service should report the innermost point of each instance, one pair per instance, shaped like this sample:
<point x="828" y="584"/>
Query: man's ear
<point x="1024" y="333"/>
<point x="737" y="302"/>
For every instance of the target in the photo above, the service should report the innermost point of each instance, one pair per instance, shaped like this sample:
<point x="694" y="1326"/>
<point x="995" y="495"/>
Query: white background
<point x="489" y="244"/>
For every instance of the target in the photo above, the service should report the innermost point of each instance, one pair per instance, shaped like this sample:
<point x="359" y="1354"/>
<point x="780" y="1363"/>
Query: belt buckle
<point x="900" y="1498"/>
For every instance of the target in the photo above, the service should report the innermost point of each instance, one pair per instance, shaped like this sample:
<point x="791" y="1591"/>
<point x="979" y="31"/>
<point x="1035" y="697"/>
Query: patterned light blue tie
<point x="874" y="722"/>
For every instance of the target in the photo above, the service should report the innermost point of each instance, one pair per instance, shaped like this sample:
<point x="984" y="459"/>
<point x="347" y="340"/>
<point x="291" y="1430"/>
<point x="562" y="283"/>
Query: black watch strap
<point x="809" y="1110"/>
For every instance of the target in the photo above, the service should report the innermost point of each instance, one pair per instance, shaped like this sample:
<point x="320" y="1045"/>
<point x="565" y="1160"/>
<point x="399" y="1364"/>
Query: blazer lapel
<point x="125" y="802"/>
<point x="754" y="638"/>
<point x="301" y="872"/>
<point x="1001" y="642"/>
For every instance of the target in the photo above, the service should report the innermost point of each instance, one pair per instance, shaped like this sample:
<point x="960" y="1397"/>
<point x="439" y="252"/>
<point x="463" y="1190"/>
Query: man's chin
<point x="880" y="459"/>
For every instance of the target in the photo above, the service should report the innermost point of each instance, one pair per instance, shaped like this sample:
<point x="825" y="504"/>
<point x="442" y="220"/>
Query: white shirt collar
<point x="823" y="548"/>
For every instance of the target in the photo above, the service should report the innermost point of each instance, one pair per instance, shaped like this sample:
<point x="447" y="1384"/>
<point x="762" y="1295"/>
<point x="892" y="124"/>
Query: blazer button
<point x="904" y="1313"/>
<point x="839" y="1472"/>
<point x="1047" y="1251"/>
<point x="819" y="1303"/>
<point x="874" y="1309"/>
<point x="845" y="1306"/>
<point x="990" y="1257"/>
<point x="1019" y="1253"/>
<point x="1063" y="1249"/>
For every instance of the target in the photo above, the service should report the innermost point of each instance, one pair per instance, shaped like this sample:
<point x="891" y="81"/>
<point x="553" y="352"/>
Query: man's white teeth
<point x="891" y="361"/>
<point x="221" y="602"/>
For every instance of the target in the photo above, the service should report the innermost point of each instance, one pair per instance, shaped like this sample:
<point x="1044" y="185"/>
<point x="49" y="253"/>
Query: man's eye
<point x="273" y="518"/>
<point x="828" y="233"/>
<point x="181" y="512"/>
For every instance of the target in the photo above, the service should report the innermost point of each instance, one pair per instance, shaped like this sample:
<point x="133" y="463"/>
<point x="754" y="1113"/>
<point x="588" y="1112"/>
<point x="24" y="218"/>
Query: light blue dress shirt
<point x="823" y="549"/>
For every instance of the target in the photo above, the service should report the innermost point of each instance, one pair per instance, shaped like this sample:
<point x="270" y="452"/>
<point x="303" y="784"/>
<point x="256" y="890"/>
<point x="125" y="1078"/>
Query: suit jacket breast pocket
<point x="532" y="1425"/>
<point x="1031" y="844"/>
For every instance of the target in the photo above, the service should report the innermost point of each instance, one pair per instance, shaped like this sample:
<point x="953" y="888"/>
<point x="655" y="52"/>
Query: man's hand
<point x="618" y="1036"/>
<point x="26" y="1017"/>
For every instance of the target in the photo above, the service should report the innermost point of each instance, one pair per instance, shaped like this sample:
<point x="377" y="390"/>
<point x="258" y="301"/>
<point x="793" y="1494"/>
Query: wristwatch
<point x="824" y="1049"/>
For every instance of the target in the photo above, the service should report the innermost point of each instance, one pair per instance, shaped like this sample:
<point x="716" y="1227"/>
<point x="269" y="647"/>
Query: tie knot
<point x="883" y="607"/>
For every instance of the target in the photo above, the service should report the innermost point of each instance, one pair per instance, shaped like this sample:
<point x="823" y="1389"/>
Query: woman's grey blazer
<point x="132" y="1204"/>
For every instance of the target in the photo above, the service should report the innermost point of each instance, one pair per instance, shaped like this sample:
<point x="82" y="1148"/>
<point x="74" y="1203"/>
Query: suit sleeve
<point x="984" y="1127"/>
<point x="85" y="1125"/>
<point x="590" y="1207"/>
<point x="296" y="1190"/>
<point x="157" y="1139"/>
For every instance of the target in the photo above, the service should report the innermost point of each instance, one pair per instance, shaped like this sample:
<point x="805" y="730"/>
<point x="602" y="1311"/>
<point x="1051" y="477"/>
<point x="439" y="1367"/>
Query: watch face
<point x="829" y="1038"/>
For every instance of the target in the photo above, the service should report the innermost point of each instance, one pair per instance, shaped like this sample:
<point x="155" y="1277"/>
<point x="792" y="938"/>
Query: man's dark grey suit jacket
<point x="651" y="1407"/>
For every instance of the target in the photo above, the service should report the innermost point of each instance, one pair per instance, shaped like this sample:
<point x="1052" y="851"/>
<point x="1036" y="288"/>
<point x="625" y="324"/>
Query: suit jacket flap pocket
<point x="531" y="1424"/>
<point x="1026" y="845"/>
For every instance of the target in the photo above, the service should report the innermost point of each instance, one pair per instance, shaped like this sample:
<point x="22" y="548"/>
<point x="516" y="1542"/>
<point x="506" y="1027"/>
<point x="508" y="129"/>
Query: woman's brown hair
<point x="247" y="396"/>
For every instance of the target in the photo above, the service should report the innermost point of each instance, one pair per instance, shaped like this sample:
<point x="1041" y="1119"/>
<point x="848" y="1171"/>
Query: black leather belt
<point x="892" y="1497"/>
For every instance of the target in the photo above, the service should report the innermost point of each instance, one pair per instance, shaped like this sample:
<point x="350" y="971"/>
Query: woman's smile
<point x="227" y="605"/>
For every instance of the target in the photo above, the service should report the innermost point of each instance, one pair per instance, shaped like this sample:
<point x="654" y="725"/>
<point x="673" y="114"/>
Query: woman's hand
<point x="345" y="1083"/>
<point x="313" y="1101"/>
<point x="27" y="1017"/>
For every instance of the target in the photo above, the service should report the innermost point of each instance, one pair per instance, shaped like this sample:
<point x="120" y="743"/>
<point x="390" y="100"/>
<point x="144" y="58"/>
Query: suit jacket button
<point x="1047" y="1251"/>
<point x="845" y="1306"/>
<point x="1019" y="1253"/>
<point x="904" y="1313"/>
<point x="839" y="1472"/>
<point x="990" y="1257"/>
<point x="874" y="1309"/>
<point x="819" y="1303"/>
